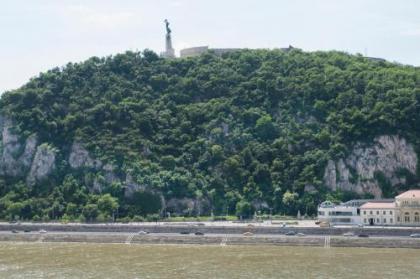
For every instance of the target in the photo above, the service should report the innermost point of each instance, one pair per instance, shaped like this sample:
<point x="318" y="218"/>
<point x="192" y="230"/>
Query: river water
<point x="66" y="260"/>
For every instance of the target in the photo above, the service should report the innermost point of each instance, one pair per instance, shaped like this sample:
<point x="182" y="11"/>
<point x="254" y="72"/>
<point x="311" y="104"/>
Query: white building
<point x="404" y="210"/>
<point x="343" y="214"/>
<point x="378" y="213"/>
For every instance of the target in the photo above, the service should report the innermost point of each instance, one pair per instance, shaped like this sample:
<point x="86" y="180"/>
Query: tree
<point x="243" y="209"/>
<point x="14" y="210"/>
<point x="290" y="201"/>
<point x="90" y="211"/>
<point x="265" y="128"/>
<point x="107" y="205"/>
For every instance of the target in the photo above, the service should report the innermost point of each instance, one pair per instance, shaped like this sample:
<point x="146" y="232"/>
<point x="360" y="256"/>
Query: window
<point x="364" y="212"/>
<point x="390" y="212"/>
<point x="321" y="213"/>
<point x="371" y="212"/>
<point x="398" y="219"/>
<point x="416" y="217"/>
<point x="377" y="220"/>
<point x="407" y="217"/>
<point x="377" y="212"/>
<point x="390" y="220"/>
<point x="384" y="212"/>
<point x="364" y="221"/>
<point x="384" y="221"/>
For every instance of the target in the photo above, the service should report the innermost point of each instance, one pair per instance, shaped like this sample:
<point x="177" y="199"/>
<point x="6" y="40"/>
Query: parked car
<point x="143" y="232"/>
<point x="348" y="234"/>
<point x="300" y="234"/>
<point x="247" y="234"/>
<point x="184" y="232"/>
<point x="290" y="233"/>
<point x="14" y="231"/>
<point x="363" y="235"/>
<point x="27" y="230"/>
<point x="199" y="233"/>
<point x="415" y="235"/>
<point x="42" y="231"/>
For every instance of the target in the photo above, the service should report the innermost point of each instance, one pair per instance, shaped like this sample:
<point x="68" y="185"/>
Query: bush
<point x="124" y="220"/>
<point x="81" y="219"/>
<point x="152" y="218"/>
<point x="45" y="218"/>
<point x="36" y="218"/>
<point x="137" y="218"/>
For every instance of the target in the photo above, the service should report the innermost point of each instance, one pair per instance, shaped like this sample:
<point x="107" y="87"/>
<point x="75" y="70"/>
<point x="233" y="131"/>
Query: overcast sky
<point x="36" y="35"/>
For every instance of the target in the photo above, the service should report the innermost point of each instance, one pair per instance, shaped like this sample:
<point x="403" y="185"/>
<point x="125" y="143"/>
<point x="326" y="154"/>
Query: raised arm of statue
<point x="168" y="30"/>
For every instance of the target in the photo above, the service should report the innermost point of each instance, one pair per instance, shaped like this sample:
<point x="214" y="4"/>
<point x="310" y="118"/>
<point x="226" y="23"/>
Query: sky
<point x="37" y="35"/>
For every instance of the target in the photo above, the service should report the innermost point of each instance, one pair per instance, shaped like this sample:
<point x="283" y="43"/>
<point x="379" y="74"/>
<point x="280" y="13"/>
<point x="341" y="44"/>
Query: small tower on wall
<point x="169" y="51"/>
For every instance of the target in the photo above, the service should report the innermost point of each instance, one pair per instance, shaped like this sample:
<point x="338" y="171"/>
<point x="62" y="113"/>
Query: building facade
<point x="338" y="214"/>
<point x="380" y="213"/>
<point x="408" y="205"/>
<point x="404" y="210"/>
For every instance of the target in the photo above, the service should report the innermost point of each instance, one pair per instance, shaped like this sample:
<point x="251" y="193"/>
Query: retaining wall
<point x="372" y="231"/>
<point x="319" y="241"/>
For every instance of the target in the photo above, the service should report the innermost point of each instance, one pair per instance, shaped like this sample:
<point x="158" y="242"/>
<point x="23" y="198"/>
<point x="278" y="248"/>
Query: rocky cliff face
<point x="386" y="156"/>
<point x="43" y="164"/>
<point x="80" y="157"/>
<point x="22" y="158"/>
<point x="16" y="153"/>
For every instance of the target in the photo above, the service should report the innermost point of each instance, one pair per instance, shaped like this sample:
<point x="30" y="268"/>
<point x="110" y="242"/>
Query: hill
<point x="134" y="134"/>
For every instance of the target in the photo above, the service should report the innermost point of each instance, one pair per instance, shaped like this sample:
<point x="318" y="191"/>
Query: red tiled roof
<point x="378" y="205"/>
<point x="409" y="194"/>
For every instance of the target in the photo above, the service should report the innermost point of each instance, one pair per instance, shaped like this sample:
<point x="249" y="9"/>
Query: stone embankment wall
<point x="317" y="241"/>
<point x="176" y="228"/>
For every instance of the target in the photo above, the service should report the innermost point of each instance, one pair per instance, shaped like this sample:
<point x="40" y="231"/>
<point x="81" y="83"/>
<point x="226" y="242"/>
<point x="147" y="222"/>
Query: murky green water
<point x="62" y="260"/>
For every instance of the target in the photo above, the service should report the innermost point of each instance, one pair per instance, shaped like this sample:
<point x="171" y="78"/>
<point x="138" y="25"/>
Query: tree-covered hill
<point x="249" y="130"/>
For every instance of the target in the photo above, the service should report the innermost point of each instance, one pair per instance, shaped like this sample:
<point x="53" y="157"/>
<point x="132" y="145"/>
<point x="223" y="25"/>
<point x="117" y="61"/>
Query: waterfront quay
<point x="305" y="233"/>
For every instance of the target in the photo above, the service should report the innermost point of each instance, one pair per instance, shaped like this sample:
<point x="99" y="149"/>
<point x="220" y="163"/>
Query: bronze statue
<point x="168" y="30"/>
<point x="169" y="51"/>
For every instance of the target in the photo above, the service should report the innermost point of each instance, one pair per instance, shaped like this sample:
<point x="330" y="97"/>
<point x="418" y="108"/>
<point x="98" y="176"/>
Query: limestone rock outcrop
<point x="80" y="157"/>
<point x="43" y="164"/>
<point x="16" y="153"/>
<point x="188" y="206"/>
<point x="131" y="186"/>
<point x="386" y="155"/>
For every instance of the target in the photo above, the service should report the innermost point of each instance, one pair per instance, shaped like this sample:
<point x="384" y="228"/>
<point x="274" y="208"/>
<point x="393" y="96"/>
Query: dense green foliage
<point x="248" y="128"/>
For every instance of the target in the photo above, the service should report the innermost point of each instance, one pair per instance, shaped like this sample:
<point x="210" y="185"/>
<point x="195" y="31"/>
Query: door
<point x="371" y="221"/>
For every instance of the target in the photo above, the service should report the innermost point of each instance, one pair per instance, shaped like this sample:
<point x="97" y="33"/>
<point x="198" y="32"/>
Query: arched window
<point x="416" y="217"/>
<point x="407" y="217"/>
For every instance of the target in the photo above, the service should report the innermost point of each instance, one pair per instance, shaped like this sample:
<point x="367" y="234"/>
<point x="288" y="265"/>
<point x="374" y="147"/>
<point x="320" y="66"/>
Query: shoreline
<point x="208" y="228"/>
<point x="213" y="234"/>
<point x="214" y="240"/>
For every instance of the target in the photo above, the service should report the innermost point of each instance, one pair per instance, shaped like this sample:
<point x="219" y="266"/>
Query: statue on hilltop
<point x="168" y="30"/>
<point x="169" y="51"/>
